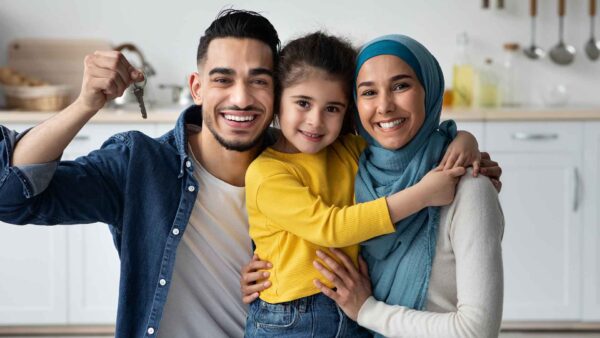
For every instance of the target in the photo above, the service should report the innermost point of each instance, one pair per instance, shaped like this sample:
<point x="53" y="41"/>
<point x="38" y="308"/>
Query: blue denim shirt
<point x="142" y="187"/>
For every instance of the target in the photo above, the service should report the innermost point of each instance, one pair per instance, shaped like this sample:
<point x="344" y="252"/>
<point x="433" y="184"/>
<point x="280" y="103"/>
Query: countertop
<point x="170" y="114"/>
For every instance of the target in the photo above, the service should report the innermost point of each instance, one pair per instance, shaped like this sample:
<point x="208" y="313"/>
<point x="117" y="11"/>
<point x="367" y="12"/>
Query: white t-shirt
<point x="204" y="297"/>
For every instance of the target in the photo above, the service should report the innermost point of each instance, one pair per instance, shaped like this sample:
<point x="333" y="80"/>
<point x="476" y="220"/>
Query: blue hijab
<point x="400" y="263"/>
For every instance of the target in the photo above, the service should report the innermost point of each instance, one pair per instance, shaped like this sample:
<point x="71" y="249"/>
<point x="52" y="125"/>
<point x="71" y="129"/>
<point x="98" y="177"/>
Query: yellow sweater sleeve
<point x="290" y="206"/>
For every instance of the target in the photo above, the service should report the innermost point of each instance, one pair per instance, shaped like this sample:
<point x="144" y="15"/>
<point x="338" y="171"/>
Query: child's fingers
<point x="475" y="168"/>
<point x="460" y="161"/>
<point x="450" y="162"/>
<point x="255" y="265"/>
<point x="444" y="160"/>
<point x="253" y="277"/>
<point x="485" y="155"/>
<point x="250" y="298"/>
<point x="250" y="289"/>
<point x="457" y="172"/>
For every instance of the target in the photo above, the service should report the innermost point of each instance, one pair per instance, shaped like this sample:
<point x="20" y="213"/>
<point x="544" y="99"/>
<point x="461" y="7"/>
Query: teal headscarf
<point x="400" y="263"/>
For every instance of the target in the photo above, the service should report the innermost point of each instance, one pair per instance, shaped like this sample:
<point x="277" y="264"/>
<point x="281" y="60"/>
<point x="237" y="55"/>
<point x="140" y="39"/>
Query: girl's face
<point x="390" y="100"/>
<point x="312" y="112"/>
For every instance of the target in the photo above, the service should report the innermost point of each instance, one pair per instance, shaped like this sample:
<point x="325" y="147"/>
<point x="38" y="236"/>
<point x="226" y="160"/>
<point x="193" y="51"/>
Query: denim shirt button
<point x="162" y="282"/>
<point x="150" y="330"/>
<point x="175" y="231"/>
<point x="188" y="164"/>
<point x="191" y="188"/>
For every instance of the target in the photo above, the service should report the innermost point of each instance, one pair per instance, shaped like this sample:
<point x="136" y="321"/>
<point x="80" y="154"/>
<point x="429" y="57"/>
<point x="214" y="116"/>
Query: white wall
<point x="168" y="32"/>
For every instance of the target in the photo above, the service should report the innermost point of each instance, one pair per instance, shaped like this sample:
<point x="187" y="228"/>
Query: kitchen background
<point x="168" y="32"/>
<point x="64" y="281"/>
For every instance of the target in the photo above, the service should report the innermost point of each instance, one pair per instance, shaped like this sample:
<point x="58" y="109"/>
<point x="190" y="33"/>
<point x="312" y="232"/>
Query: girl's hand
<point x="491" y="169"/>
<point x="438" y="187"/>
<point x="462" y="152"/>
<point x="353" y="286"/>
<point x="253" y="281"/>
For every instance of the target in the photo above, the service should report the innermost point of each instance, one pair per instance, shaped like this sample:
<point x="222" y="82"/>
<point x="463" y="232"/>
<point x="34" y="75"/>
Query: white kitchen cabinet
<point x="541" y="200"/>
<point x="591" y="231"/>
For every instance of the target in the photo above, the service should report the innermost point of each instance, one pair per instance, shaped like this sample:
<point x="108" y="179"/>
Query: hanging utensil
<point x="592" y="47"/>
<point x="562" y="53"/>
<point x="533" y="52"/>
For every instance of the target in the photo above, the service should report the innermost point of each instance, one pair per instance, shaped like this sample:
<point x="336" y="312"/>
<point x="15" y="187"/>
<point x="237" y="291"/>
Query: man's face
<point x="235" y="87"/>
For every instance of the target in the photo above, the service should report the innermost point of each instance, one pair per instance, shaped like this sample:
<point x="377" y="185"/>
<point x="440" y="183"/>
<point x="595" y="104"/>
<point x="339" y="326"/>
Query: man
<point x="182" y="193"/>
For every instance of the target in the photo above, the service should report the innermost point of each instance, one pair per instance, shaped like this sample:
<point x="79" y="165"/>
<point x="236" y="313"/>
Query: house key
<point x="138" y="91"/>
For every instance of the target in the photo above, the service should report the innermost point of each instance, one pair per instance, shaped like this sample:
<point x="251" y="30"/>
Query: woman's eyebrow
<point x="400" y="77"/>
<point x="365" y="84"/>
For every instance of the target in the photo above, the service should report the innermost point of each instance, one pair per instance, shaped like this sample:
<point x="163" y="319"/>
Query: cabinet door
<point x="541" y="202"/>
<point x="591" y="232"/>
<point x="33" y="272"/>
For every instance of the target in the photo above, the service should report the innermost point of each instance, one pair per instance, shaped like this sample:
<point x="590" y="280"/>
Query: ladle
<point x="562" y="53"/>
<point x="533" y="52"/>
<point x="592" y="47"/>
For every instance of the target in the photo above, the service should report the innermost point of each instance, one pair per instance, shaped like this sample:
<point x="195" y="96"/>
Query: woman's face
<point x="390" y="100"/>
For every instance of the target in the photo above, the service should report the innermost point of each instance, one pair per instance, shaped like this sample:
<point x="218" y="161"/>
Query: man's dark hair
<point x="240" y="24"/>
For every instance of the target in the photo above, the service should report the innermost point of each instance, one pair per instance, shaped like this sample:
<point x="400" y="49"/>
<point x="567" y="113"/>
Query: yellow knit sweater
<point x="298" y="203"/>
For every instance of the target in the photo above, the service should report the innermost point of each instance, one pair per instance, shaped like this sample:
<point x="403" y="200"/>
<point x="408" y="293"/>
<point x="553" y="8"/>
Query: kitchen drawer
<point x="534" y="136"/>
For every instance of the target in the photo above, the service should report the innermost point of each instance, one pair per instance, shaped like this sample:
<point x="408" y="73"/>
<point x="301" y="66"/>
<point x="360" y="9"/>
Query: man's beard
<point x="235" y="145"/>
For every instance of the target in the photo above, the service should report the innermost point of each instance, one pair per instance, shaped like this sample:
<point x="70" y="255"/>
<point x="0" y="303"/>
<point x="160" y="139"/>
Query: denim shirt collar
<point x="191" y="115"/>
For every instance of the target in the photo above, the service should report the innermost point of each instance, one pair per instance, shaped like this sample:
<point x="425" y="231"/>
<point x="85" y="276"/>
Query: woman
<point x="440" y="273"/>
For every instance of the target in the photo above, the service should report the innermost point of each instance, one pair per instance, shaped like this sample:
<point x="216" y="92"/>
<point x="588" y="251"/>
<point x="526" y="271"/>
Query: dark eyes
<point x="221" y="80"/>
<point x="395" y="87"/>
<point x="303" y="104"/>
<point x="332" y="109"/>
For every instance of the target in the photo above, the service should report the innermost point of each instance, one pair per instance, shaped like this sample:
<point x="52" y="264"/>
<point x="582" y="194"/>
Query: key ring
<point x="138" y="86"/>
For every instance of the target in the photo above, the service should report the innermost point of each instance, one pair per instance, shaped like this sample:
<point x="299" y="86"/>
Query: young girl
<point x="299" y="192"/>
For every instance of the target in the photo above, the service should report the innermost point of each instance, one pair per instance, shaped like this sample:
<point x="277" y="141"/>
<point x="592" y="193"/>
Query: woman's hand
<point x="438" y="187"/>
<point x="253" y="280"/>
<point x="462" y="152"/>
<point x="352" y="286"/>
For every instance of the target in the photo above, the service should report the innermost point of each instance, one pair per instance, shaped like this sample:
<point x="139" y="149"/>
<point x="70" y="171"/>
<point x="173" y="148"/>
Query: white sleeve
<point x="476" y="229"/>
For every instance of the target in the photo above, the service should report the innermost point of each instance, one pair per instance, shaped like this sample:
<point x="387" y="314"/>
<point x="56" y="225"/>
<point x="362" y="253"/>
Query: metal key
<point x="138" y="91"/>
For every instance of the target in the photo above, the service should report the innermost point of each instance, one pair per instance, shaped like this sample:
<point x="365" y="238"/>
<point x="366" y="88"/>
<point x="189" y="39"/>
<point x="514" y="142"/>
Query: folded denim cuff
<point x="35" y="177"/>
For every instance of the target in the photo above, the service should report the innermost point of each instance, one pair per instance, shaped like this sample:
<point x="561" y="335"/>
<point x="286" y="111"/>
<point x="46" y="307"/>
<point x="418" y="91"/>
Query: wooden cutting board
<point x="57" y="61"/>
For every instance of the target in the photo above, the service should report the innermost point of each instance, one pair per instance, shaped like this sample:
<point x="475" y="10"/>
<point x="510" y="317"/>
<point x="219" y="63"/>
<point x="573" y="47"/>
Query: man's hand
<point x="106" y="75"/>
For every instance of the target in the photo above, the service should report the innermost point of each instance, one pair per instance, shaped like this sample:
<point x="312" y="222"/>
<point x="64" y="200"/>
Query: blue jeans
<point x="312" y="316"/>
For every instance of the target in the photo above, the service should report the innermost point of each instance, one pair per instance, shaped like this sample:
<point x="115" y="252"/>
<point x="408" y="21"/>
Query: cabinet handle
<point x="81" y="138"/>
<point x="576" y="189"/>
<point x="534" y="137"/>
